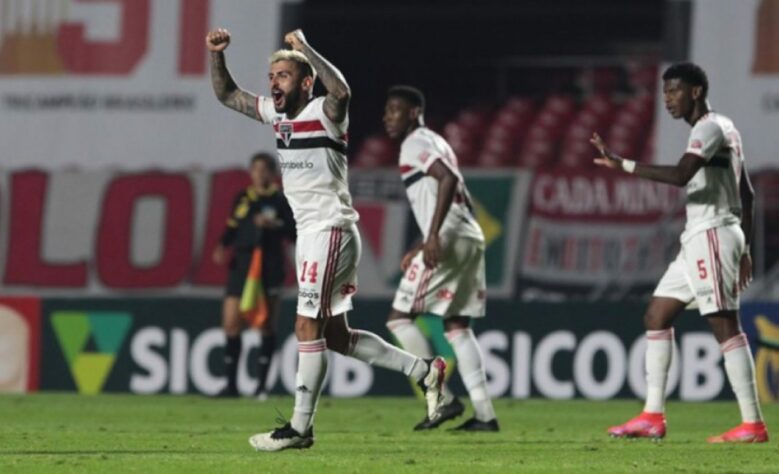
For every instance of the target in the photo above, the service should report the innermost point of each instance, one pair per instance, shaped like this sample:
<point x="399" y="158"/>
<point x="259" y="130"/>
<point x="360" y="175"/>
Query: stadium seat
<point x="376" y="151"/>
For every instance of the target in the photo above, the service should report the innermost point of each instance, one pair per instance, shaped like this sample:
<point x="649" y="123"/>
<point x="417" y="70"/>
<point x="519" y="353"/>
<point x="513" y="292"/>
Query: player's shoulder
<point x="421" y="138"/>
<point x="316" y="107"/>
<point x="712" y="124"/>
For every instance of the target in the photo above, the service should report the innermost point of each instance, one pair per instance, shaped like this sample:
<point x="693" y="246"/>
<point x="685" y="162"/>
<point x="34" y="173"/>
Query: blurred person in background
<point x="259" y="223"/>
<point x="444" y="275"/>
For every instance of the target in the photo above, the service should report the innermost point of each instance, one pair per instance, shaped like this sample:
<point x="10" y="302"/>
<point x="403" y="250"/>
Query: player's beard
<point x="291" y="102"/>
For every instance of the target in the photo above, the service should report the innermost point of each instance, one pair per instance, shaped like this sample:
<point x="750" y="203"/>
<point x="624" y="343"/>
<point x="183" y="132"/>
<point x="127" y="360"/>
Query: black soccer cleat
<point x="447" y="412"/>
<point x="477" y="425"/>
<point x="431" y="385"/>
<point x="282" y="438"/>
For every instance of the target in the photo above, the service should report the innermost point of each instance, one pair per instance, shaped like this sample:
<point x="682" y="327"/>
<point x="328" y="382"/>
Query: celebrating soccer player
<point x="444" y="274"/>
<point x="258" y="224"/>
<point x="713" y="266"/>
<point x="311" y="137"/>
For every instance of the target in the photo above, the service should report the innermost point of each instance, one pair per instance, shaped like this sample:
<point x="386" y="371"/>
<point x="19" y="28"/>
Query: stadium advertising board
<point x="110" y="72"/>
<point x="558" y="351"/>
<point x="106" y="233"/>
<point x="761" y="323"/>
<point x="743" y="70"/>
<point x="597" y="229"/>
<point x="20" y="331"/>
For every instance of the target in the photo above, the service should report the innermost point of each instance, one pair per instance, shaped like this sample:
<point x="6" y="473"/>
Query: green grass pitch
<point x="159" y="434"/>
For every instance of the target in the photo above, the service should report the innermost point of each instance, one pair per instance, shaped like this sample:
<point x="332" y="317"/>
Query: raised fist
<point x="218" y="40"/>
<point x="295" y="39"/>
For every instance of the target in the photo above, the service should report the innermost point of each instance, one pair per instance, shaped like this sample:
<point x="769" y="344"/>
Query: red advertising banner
<point x="598" y="229"/>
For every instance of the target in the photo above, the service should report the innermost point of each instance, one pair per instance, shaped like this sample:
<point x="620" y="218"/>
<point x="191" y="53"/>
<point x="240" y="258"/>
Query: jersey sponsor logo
<point x="297" y="165"/>
<point x="481" y="294"/>
<point x="348" y="289"/>
<point x="696" y="144"/>
<point x="285" y="132"/>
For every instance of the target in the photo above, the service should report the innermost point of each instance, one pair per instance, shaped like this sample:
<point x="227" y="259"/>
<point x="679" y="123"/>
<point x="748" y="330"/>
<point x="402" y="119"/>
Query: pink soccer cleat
<point x="645" y="425"/>
<point x="743" y="433"/>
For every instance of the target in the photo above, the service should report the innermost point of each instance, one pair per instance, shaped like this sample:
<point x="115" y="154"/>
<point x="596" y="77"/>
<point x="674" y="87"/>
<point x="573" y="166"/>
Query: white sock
<point x="659" y="351"/>
<point x="370" y="348"/>
<point x="741" y="372"/>
<point x="411" y="339"/>
<point x="312" y="368"/>
<point x="471" y="365"/>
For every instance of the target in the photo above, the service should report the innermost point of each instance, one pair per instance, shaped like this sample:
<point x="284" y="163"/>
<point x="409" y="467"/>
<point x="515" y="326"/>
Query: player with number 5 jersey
<point x="311" y="139"/>
<point x="713" y="266"/>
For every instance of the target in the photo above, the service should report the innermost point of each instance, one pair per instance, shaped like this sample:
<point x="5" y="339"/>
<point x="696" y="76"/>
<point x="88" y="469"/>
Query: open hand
<point x="431" y="252"/>
<point x="606" y="158"/>
<point x="406" y="261"/>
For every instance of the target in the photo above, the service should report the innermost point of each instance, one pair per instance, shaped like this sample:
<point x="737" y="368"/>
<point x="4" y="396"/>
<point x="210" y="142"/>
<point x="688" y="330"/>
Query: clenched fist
<point x="218" y="40"/>
<point x="295" y="39"/>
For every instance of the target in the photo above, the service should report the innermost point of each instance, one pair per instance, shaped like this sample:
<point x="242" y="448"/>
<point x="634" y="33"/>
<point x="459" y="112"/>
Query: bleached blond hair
<point x="296" y="57"/>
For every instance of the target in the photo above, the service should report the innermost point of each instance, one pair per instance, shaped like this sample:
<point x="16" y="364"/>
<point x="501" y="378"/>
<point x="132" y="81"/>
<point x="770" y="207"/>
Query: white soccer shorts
<point x="706" y="270"/>
<point x="456" y="287"/>
<point x="326" y="267"/>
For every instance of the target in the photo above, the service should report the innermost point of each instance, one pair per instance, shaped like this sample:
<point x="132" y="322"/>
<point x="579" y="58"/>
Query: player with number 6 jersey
<point x="311" y="139"/>
<point x="445" y="274"/>
<point x="713" y="266"/>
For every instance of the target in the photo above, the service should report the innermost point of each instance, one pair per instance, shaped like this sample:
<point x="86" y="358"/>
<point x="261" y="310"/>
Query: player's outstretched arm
<point x="338" y="93"/>
<point x="678" y="175"/>
<point x="447" y="186"/>
<point x="747" y="225"/>
<point x="225" y="88"/>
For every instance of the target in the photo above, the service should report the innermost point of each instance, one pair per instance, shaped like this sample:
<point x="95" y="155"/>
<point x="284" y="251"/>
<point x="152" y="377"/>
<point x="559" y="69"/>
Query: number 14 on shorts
<point x="310" y="271"/>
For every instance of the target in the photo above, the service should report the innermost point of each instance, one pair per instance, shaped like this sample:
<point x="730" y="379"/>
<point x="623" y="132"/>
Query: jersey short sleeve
<point x="336" y="129"/>
<point x="705" y="139"/>
<point x="265" y="109"/>
<point x="421" y="153"/>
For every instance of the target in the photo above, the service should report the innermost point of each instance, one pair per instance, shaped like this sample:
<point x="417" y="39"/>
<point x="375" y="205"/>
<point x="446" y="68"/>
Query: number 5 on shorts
<point x="312" y="274"/>
<point x="702" y="274"/>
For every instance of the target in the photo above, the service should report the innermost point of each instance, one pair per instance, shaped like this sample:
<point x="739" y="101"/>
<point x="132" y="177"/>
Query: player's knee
<point x="657" y="320"/>
<point x="307" y="329"/>
<point x="338" y="338"/>
<point x="456" y="323"/>
<point x="652" y="320"/>
<point x="725" y="325"/>
<point x="396" y="318"/>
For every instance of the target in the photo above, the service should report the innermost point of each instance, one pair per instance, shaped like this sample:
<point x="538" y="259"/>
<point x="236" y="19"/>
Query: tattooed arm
<point x="225" y="88"/>
<point x="338" y="93"/>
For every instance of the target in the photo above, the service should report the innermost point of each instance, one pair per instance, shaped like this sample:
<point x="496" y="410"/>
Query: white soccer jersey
<point x="419" y="151"/>
<point x="713" y="198"/>
<point x="312" y="158"/>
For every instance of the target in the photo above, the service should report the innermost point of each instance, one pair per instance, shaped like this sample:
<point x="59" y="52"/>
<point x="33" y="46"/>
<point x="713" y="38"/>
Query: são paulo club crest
<point x="285" y="131"/>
